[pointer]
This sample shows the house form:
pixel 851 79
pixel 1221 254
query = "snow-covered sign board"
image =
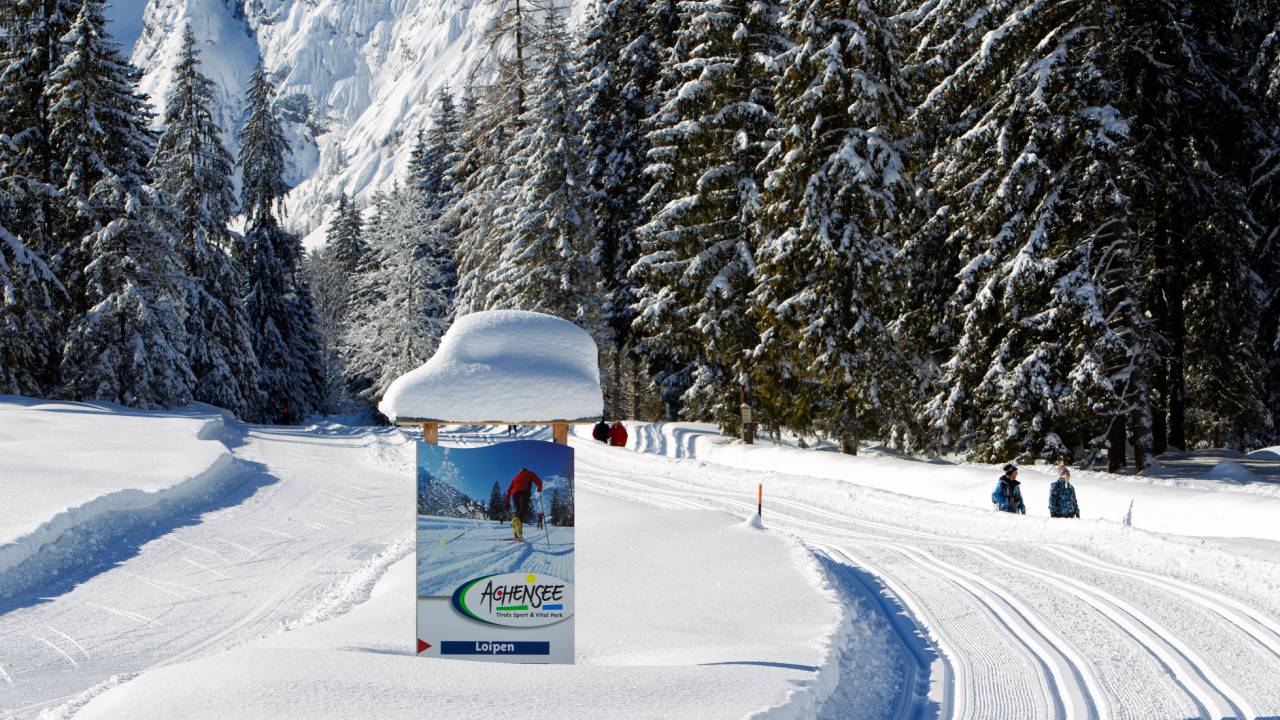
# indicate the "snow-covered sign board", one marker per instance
pixel 495 523
pixel 503 366
pixel 495 552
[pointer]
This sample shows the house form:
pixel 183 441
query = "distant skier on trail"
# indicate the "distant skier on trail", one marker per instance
pixel 1007 497
pixel 1062 496
pixel 618 435
pixel 520 489
pixel 601 431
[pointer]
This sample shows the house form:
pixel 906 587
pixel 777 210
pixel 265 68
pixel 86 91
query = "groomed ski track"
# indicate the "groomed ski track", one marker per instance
pixel 983 626
pixel 988 628
pixel 324 512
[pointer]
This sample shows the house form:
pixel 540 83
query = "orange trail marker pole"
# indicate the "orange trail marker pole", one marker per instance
pixel 760 500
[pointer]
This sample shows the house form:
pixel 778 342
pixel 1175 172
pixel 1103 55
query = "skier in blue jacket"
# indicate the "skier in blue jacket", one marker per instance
pixel 1007 496
pixel 1062 496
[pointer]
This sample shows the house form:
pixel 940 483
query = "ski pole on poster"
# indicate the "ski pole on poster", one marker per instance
pixel 542 510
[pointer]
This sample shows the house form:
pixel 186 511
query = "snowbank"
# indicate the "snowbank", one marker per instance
pixel 1271 453
pixel 503 366
pixel 1215 505
pixel 681 614
pixel 68 466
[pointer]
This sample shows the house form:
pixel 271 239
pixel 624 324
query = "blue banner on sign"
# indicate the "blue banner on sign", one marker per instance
pixel 493 647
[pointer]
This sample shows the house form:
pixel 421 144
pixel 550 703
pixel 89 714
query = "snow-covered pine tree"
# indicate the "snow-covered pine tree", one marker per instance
pixel 1264 196
pixel 331 289
pixel 622 44
pixel 28 289
pixel 432 166
pixel 331 274
pixel 130 344
pixel 36 306
pixel 31 297
pixel 1193 136
pixel 696 268
pixel 497 508
pixel 194 171
pixel 669 367
pixel 834 182
pixel 480 170
pixel 344 240
pixel 410 286
pixel 278 300
pixel 509 40
pixel 546 261
pixel 1050 340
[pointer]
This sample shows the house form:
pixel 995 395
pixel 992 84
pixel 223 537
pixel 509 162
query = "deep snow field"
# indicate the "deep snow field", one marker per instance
pixel 184 565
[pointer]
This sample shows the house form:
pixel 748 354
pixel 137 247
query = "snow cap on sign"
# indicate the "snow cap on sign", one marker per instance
pixel 503 366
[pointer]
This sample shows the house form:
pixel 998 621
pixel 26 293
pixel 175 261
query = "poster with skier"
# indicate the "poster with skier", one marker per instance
pixel 495 552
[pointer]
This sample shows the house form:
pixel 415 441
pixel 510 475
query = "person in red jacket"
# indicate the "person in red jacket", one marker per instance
pixel 520 489
pixel 618 435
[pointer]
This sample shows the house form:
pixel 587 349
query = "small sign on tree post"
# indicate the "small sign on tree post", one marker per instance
pixel 498 368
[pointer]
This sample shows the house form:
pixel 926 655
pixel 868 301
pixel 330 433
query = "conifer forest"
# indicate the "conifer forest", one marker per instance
pixel 1008 229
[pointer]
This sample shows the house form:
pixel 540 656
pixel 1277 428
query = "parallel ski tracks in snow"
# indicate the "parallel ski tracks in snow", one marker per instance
pixel 1058 678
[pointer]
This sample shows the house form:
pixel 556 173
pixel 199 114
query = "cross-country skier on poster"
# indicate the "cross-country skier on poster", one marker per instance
pixel 520 490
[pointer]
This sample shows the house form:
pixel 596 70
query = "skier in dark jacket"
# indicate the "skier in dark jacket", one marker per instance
pixel 618 435
pixel 520 489
pixel 1007 496
pixel 601 431
pixel 1062 496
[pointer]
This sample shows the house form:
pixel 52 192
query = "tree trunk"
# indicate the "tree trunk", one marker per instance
pixel 1115 445
pixel 849 446
pixel 520 76
pixel 1177 377
pixel 616 390
pixel 1159 409
pixel 636 388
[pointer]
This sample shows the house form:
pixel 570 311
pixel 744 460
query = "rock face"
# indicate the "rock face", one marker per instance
pixel 354 79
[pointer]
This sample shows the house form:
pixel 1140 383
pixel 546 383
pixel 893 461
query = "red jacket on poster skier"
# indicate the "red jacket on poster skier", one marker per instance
pixel 520 483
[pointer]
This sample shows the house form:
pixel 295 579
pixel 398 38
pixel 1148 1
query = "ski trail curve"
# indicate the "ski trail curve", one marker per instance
pixel 1072 681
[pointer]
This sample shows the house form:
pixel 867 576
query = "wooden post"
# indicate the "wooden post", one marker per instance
pixel 431 433
pixel 560 433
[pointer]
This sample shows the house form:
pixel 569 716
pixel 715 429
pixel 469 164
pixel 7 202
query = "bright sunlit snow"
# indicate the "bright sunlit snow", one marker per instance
pixel 287 593
pixel 504 366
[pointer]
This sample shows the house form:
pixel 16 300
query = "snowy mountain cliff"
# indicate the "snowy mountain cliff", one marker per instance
pixel 353 76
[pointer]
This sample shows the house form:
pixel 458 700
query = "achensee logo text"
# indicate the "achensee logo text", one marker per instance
pixel 515 599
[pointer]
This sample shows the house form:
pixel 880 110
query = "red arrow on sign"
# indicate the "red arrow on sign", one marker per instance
pixel 423 645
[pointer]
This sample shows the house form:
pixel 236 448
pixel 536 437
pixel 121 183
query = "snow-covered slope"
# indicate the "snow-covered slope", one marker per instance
pixel 354 78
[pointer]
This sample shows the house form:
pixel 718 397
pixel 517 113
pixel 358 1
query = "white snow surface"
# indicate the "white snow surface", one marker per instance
pixel 503 366
pixel 1222 500
pixel 655 638
pixel 294 597
pixel 66 464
